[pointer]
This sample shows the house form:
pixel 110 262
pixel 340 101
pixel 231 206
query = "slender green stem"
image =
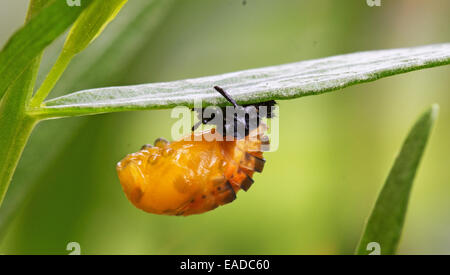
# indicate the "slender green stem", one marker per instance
pixel 53 76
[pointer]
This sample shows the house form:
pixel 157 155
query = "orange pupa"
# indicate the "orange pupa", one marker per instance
pixel 200 172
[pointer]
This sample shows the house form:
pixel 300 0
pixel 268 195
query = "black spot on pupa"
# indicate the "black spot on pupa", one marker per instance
pixel 247 183
pixel 258 162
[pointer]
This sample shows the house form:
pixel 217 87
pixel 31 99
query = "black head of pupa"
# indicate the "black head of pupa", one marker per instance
pixel 237 121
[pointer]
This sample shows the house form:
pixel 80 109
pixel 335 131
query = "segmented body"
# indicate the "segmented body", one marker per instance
pixel 192 177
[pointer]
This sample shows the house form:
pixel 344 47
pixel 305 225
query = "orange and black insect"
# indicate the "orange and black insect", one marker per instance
pixel 188 177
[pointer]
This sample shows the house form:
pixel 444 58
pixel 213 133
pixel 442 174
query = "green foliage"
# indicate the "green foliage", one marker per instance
pixel 29 42
pixel 15 125
pixel 87 27
pixel 278 82
pixel 48 19
pixel 23 50
pixel 91 23
pixel 385 223
pixel 119 47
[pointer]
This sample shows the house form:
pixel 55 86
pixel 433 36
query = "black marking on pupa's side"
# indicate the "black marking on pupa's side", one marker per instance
pixel 258 162
pixel 230 195
pixel 247 183
pixel 241 121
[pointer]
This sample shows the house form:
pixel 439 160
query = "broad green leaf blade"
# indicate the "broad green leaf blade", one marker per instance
pixel 29 42
pixel 257 85
pixel 385 223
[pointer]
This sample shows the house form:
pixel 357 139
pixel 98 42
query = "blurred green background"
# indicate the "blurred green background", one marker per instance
pixel 315 192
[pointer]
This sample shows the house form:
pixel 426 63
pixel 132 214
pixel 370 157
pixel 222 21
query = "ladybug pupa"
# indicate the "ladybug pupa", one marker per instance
pixel 204 170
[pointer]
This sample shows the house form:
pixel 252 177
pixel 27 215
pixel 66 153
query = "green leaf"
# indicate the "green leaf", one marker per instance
pixel 118 45
pixel 87 27
pixel 34 7
pixel 91 23
pixel 15 126
pixel 385 223
pixel 250 86
pixel 132 32
pixel 29 41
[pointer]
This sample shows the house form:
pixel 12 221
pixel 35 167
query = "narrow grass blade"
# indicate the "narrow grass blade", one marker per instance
pixel 257 85
pixel 384 226
pixel 29 42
